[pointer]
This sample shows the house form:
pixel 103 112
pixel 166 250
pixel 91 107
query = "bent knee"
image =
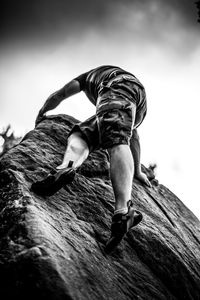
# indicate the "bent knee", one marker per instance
pixel 76 141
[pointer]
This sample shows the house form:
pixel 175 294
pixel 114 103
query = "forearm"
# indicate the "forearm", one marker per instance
pixel 56 98
pixel 52 102
pixel 135 149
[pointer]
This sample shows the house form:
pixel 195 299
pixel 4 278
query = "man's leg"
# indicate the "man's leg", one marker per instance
pixel 77 151
pixel 125 216
pixel 121 172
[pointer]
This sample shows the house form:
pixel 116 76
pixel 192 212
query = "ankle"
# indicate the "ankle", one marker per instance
pixel 122 211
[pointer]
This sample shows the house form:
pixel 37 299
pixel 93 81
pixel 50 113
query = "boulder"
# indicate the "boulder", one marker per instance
pixel 51 247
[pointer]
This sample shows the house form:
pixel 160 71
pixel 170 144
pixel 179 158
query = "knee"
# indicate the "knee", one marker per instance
pixel 76 143
pixel 75 136
pixel 118 148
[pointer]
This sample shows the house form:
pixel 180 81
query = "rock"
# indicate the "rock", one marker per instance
pixel 51 247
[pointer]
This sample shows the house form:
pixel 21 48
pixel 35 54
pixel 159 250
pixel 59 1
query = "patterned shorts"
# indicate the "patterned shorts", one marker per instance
pixel 120 109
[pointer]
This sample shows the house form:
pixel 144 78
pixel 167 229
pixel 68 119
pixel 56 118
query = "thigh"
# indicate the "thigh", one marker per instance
pixel 116 125
pixel 118 95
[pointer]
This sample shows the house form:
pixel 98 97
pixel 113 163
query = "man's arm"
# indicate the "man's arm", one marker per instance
pixel 135 149
pixel 71 88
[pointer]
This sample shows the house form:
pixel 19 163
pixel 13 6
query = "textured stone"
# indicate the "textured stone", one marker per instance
pixel 50 246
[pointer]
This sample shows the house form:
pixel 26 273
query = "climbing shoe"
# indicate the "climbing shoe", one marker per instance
pixel 121 224
pixel 54 181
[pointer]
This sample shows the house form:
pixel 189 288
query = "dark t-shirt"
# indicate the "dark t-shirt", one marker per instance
pixel 92 81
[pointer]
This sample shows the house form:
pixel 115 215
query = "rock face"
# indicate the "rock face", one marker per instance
pixel 50 248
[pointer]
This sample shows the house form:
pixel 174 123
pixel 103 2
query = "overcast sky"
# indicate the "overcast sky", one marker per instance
pixel 46 43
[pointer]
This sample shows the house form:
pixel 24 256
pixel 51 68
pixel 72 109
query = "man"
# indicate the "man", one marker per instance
pixel 120 108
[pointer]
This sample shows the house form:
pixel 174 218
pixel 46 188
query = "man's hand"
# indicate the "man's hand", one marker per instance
pixel 39 118
pixel 142 177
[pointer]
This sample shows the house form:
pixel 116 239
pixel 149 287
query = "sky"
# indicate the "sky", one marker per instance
pixel 46 43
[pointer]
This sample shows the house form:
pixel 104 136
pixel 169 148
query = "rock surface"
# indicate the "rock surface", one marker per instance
pixel 50 248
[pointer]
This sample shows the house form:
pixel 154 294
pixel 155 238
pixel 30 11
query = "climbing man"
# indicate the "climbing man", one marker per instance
pixel 120 102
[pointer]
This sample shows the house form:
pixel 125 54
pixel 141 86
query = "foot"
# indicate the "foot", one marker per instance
pixel 53 182
pixel 121 224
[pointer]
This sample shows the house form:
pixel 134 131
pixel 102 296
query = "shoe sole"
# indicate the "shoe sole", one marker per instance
pixel 54 186
pixel 114 241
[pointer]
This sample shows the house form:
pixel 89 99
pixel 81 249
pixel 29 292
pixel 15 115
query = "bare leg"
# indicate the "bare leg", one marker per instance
pixel 77 151
pixel 121 171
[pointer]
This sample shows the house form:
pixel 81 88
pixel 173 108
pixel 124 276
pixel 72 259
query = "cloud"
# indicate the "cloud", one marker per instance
pixel 39 18
pixel 170 26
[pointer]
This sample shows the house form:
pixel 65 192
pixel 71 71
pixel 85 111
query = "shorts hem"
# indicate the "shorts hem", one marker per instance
pixel 110 144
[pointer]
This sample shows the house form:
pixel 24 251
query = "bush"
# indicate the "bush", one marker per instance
pixel 9 140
